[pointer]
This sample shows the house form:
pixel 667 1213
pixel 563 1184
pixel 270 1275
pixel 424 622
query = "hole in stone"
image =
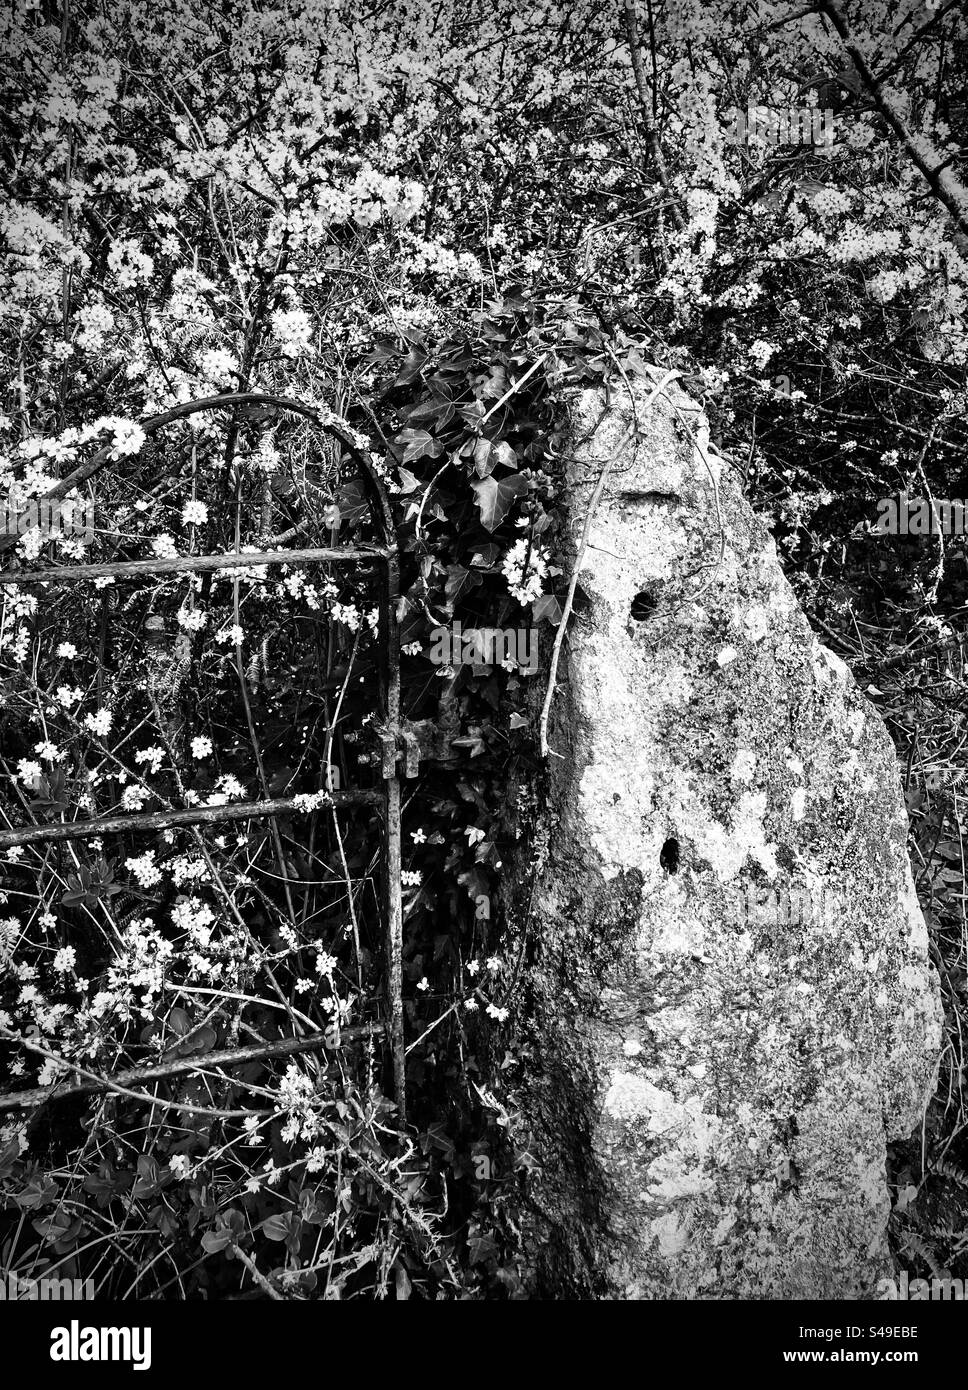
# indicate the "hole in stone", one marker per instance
pixel 643 606
pixel 669 858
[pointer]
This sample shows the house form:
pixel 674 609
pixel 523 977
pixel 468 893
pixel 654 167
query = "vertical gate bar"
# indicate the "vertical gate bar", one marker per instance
pixel 394 904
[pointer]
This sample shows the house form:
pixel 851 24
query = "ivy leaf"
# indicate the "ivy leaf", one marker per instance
pixel 459 580
pixel 420 445
pixel 384 351
pixel 495 496
pixel 409 482
pixel 485 459
pixel 481 1248
pixel 486 557
pixel 546 607
pixel 412 367
pixel 435 408
pixel 474 741
pixel 504 454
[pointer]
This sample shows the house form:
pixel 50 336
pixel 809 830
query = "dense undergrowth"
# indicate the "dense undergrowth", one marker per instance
pixel 430 226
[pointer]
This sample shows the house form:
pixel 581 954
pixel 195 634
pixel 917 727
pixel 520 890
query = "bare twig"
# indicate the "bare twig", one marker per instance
pixel 165 820
pixel 257 1274
pixel 516 387
pixel 242 559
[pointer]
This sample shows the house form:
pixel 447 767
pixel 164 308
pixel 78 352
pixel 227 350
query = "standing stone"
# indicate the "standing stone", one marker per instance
pixel 732 1010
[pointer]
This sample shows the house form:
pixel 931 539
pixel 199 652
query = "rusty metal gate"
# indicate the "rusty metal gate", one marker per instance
pixel 398 739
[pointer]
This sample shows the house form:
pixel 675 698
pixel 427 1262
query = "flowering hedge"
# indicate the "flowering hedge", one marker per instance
pixel 429 224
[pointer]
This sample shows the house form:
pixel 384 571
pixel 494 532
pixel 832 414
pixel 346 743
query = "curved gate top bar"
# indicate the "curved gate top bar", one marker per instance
pixel 103 456
pixel 386 555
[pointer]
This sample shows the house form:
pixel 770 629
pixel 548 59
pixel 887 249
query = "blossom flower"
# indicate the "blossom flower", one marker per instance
pixel 761 353
pixel 499 1015
pixel 231 786
pixel 128 436
pixel 410 878
pixel 31 543
pixel 163 547
pixel 29 771
pixel 217 365
pixel 155 756
pixel 129 263
pixel 194 513
pixel 67 650
pixel 65 960
pixel 292 330
pixel 524 571
pixel 145 869
pixel 192 619
pixel 201 746
pixel 423 984
pixel 94 322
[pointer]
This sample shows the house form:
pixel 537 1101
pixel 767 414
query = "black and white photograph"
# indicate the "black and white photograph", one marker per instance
pixel 483 674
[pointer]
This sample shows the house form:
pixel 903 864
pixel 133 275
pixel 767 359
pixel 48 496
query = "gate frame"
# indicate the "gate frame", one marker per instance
pixel 386 556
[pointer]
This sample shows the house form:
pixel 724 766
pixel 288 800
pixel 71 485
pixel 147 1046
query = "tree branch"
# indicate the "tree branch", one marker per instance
pixel 165 820
pixel 651 135
pixel 958 209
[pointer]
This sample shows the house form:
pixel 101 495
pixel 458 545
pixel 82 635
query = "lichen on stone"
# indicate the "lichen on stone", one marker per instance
pixel 740 1068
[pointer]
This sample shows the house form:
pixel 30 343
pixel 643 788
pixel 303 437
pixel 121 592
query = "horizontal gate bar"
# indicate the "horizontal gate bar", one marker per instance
pixel 165 820
pixel 237 560
pixel 205 1061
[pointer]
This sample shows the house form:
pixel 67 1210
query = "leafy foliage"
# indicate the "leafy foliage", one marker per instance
pixel 432 224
